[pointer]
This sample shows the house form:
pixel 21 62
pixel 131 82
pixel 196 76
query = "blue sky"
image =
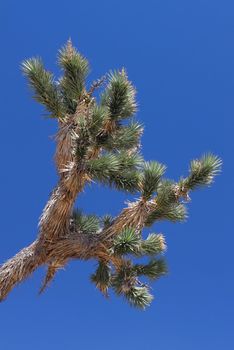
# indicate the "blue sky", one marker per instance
pixel 180 56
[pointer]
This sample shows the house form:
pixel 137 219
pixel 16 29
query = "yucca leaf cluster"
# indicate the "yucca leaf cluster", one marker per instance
pixel 125 279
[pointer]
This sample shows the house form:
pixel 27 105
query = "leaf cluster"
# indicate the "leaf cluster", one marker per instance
pixel 119 170
pixel 119 96
pixel 124 280
pixel 45 89
pixel 202 171
pixel 153 171
pixel 87 224
pixel 75 68
pixel 130 242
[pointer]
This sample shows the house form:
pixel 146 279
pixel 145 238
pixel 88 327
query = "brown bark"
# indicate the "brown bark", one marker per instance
pixel 55 218
pixel 18 268
pixel 54 254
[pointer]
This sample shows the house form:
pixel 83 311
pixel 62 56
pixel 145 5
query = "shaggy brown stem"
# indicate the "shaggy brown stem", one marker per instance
pixel 18 268
pixel 55 218
pixel 55 255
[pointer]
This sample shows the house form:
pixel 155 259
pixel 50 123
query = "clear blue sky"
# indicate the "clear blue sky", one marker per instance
pixel 180 56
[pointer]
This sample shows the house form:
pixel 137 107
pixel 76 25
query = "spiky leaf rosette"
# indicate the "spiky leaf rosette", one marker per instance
pixel 119 170
pixel 167 193
pixel 107 221
pixel 139 297
pixel 85 223
pixel 44 87
pixel 125 283
pixel 168 205
pixel 202 171
pixel 153 270
pixel 130 242
pixel 175 212
pixel 154 244
pixel 127 242
pixel 123 137
pixel 119 96
pixel 102 277
pixel 152 173
pixel 75 68
pixel 124 278
pixel 98 120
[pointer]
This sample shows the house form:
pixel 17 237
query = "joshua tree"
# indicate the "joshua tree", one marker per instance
pixel 99 141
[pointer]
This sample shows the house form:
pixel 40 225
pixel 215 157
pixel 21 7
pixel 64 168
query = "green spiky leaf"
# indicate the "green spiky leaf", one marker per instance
pixel 154 244
pixel 151 176
pixel 119 170
pixel 86 223
pixel 139 297
pixel 107 221
pixel 102 277
pixel 127 242
pixel 153 270
pixel 42 82
pixel 166 193
pixel 119 96
pixel 103 167
pixel 75 68
pixel 174 212
pixel 124 278
pixel 99 117
pixel 124 138
pixel 203 171
pixel 127 181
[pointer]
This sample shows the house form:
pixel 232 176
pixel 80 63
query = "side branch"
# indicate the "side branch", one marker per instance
pixel 133 216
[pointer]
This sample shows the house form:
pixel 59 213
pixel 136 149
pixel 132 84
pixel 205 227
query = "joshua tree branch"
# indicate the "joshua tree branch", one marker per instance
pixel 96 141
